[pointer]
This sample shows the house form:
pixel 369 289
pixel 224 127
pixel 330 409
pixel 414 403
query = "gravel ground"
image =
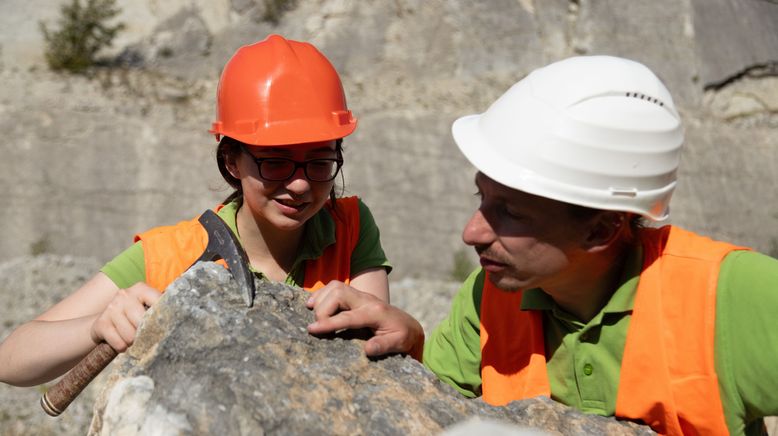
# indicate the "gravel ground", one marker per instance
pixel 427 300
pixel 28 286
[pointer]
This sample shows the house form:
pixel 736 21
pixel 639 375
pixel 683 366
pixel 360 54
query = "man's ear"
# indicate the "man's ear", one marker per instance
pixel 605 228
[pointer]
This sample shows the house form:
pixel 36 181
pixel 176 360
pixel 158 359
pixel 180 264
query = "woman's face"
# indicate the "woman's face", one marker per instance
pixel 284 204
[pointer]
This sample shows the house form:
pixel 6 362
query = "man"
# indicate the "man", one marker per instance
pixel 576 299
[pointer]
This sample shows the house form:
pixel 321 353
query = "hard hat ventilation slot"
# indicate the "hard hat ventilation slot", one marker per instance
pixel 645 97
pixel 623 192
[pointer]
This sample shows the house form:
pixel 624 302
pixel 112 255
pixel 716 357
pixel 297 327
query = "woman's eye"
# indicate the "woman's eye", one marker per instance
pixel 319 164
pixel 275 162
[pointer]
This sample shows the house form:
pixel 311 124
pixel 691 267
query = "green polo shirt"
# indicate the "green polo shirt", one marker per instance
pixel 129 268
pixel 584 359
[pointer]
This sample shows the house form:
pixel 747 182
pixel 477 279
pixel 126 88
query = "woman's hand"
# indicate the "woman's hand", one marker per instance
pixel 51 344
pixel 338 306
pixel 118 323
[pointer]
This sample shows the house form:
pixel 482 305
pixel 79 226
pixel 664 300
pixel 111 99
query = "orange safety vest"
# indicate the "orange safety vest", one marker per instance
pixel 668 377
pixel 170 250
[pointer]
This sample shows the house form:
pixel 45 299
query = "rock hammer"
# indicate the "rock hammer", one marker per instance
pixel 222 244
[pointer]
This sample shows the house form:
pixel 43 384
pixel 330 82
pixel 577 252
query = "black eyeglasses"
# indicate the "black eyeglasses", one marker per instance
pixel 279 169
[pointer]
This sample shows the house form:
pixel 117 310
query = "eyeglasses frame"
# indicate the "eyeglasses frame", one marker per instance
pixel 297 164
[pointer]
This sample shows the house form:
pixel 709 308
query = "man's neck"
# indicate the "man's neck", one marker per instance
pixel 595 279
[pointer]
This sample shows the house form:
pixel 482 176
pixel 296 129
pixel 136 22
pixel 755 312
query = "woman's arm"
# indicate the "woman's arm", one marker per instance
pixel 49 345
pixel 373 281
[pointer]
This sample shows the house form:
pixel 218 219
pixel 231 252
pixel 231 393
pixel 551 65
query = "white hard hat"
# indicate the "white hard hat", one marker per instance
pixel 596 131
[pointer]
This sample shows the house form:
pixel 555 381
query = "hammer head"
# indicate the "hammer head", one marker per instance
pixel 222 244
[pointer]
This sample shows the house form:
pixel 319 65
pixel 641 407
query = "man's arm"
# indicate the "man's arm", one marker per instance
pixel 746 346
pixel 453 350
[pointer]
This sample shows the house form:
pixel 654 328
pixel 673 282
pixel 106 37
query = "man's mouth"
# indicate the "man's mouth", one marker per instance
pixel 490 264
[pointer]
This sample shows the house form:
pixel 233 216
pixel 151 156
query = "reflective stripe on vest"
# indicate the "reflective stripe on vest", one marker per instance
pixel 170 250
pixel 667 380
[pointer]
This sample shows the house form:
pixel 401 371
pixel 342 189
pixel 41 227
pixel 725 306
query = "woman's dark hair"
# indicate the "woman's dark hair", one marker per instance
pixel 232 147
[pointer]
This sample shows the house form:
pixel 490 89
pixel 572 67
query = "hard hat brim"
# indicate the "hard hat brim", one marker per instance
pixel 470 141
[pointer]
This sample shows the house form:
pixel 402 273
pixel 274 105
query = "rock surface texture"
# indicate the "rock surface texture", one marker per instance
pixel 205 364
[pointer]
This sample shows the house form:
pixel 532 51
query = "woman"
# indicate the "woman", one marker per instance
pixel 281 117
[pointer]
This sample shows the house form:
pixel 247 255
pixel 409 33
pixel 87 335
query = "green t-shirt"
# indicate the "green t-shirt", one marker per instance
pixel 584 359
pixel 128 267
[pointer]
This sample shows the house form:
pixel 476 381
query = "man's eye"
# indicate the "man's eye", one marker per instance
pixel 514 214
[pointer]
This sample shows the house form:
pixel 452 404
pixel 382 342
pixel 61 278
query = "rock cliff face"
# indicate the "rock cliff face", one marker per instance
pixel 91 161
pixel 205 364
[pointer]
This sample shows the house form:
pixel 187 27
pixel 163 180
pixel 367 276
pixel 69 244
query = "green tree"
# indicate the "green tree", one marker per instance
pixel 274 9
pixel 83 31
pixel 461 266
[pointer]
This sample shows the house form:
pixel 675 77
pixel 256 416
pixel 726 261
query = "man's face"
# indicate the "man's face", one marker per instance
pixel 523 240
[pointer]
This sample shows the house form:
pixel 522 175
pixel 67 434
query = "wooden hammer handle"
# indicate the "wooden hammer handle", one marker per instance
pixel 59 397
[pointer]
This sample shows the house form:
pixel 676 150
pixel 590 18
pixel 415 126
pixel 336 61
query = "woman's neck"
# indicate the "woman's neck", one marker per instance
pixel 270 250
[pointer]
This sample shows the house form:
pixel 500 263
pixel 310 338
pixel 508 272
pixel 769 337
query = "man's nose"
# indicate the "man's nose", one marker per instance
pixel 478 231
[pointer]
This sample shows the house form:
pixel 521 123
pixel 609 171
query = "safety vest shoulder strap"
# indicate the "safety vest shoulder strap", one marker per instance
pixel 169 250
pixel 335 262
pixel 668 377
pixel 513 361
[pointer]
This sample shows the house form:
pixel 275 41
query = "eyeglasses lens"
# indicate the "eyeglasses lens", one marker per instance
pixel 317 170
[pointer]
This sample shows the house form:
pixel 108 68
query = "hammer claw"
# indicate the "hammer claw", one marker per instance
pixel 222 244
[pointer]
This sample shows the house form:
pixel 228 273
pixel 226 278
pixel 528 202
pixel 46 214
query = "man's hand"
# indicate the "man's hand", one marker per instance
pixel 338 306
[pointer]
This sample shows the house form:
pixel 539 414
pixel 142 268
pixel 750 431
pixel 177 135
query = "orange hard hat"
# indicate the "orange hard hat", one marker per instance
pixel 280 92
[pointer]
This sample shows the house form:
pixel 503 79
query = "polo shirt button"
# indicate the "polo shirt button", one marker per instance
pixel 588 369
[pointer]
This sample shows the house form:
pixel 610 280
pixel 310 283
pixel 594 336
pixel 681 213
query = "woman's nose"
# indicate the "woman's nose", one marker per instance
pixel 298 183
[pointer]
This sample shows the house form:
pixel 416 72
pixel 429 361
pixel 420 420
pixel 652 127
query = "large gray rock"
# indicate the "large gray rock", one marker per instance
pixel 203 363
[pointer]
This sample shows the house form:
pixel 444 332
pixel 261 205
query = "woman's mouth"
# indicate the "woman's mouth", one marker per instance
pixel 290 206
